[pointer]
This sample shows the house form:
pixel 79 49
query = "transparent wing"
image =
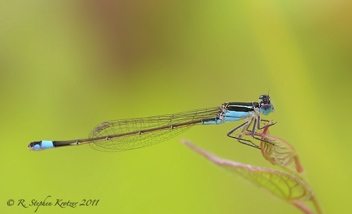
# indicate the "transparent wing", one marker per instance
pixel 115 127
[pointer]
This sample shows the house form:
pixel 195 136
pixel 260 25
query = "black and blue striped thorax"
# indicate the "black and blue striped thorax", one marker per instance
pixel 240 106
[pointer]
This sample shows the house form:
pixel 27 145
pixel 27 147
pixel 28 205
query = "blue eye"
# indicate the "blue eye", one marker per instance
pixel 266 109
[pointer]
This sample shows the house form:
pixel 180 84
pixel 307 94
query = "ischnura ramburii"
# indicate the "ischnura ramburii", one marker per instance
pixel 128 134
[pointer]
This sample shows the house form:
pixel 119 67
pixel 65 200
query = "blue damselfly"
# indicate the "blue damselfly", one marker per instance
pixel 127 134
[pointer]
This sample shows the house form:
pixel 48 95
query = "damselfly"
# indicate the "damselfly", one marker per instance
pixel 120 135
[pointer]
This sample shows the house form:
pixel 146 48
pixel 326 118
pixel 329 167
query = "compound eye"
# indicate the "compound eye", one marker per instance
pixel 266 109
pixel 35 146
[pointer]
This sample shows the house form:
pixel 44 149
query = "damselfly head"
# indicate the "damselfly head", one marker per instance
pixel 264 99
pixel 265 104
pixel 35 146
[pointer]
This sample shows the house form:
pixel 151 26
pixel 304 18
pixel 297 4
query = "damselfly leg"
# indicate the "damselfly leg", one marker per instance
pixel 256 125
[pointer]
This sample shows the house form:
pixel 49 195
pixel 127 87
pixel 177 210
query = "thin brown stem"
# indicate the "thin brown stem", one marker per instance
pixel 303 207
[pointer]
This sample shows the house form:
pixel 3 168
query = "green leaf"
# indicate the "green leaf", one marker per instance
pixel 283 185
pixel 279 152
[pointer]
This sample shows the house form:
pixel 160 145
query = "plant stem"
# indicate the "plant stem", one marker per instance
pixel 302 207
pixel 317 205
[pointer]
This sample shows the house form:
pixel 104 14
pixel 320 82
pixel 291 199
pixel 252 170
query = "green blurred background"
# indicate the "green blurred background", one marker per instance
pixel 66 66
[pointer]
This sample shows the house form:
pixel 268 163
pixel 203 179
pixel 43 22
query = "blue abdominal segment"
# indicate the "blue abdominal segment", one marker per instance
pixel 46 144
